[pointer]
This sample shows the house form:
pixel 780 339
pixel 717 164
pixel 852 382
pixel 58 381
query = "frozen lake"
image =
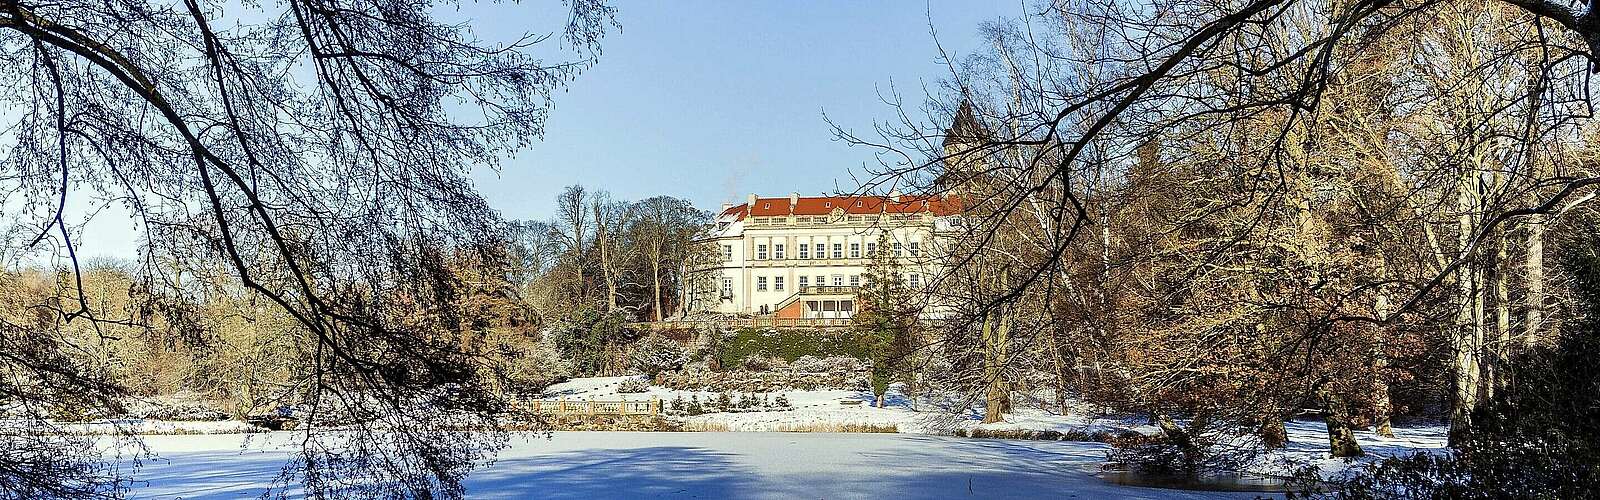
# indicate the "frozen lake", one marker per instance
pixel 757 465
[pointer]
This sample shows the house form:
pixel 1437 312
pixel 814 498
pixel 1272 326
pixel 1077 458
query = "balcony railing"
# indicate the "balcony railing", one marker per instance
pixel 755 322
pixel 827 290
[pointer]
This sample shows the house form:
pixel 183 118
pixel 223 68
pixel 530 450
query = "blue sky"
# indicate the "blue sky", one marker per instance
pixel 709 101
pixel 706 101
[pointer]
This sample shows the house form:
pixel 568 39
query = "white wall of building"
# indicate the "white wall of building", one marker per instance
pixel 755 273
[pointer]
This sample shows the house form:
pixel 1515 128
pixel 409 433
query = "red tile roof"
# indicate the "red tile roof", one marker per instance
pixel 824 205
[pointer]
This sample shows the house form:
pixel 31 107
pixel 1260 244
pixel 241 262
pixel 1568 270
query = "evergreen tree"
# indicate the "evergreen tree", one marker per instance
pixel 885 318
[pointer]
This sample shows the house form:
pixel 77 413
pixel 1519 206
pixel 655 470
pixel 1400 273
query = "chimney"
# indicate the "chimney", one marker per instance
pixel 751 200
pixel 894 195
pixel 794 199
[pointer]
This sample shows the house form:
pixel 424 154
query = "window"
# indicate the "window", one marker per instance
pixel 805 251
pixel 727 287
pixel 838 250
pixel 914 280
pixel 804 281
pixel 855 250
pixel 838 280
pixel 727 252
pixel 872 248
pixel 914 250
pixel 777 283
pixel 761 252
pixel 897 249
pixel 761 283
pixel 820 281
pixel 855 280
pixel 777 250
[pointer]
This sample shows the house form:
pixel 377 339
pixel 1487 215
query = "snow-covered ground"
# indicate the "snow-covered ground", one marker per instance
pixel 921 461
pixel 1308 444
pixel 846 407
pixel 152 426
pixel 630 465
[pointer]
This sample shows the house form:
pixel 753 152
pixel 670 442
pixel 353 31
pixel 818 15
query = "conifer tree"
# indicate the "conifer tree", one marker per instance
pixel 886 317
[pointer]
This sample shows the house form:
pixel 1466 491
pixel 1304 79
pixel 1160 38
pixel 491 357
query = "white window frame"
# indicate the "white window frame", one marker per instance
pixel 838 250
pixel 761 251
pixel 855 250
pixel 777 251
pixel 761 283
pixel 805 252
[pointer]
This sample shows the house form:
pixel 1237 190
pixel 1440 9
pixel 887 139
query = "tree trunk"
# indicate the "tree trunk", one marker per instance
pixel 1341 434
pixel 1273 434
pixel 1502 318
pixel 1179 437
pixel 1061 375
pixel 1469 323
pixel 998 398
pixel 1341 439
pixel 603 238
pixel 655 271
pixel 1382 407
pixel 1173 432
pixel 1533 265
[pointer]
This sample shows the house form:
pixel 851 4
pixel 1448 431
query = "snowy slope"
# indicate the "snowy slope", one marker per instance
pixel 844 407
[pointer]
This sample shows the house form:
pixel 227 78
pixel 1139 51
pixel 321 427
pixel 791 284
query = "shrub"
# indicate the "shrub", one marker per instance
pixel 655 354
pixel 588 337
pixel 533 367
pixel 761 363
pixel 633 385
pixel 1182 451
pixel 830 364
pixel 732 350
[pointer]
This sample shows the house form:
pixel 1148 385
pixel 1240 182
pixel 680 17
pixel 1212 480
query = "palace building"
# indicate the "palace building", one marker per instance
pixel 799 257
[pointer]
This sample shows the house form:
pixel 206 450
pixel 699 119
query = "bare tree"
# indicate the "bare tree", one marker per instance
pixel 317 152
pixel 610 218
pixel 1244 99
pixel 666 228
pixel 572 209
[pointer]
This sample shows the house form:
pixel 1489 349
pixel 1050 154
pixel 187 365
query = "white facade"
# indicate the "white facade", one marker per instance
pixel 808 254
